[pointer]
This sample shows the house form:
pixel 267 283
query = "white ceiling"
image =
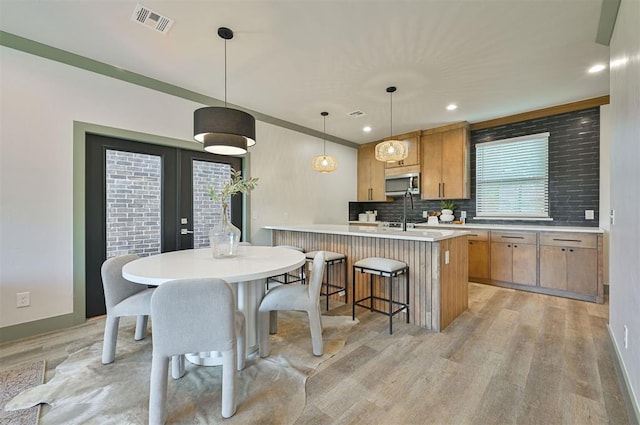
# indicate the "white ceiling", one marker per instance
pixel 293 59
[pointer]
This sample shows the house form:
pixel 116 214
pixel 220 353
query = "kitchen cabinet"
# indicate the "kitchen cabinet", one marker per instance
pixel 514 257
pixel 370 175
pixel 569 262
pixel 412 163
pixel 479 255
pixel 445 162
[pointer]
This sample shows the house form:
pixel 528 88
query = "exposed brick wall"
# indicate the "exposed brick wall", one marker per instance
pixel 134 202
pixel 574 172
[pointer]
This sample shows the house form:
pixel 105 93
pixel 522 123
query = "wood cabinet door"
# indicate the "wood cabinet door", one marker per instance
pixel 454 164
pixel 525 264
pixel 376 178
pixel 413 145
pixel 365 154
pixel 431 165
pixel 553 267
pixel 501 262
pixel 479 259
pixel 582 270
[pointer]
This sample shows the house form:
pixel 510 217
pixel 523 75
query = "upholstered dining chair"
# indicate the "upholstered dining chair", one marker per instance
pixel 122 298
pixel 294 297
pixel 192 316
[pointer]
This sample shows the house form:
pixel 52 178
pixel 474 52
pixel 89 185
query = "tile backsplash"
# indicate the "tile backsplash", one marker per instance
pixel 574 172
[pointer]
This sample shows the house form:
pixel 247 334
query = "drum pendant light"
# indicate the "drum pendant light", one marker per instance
pixel 324 163
pixel 222 130
pixel 391 150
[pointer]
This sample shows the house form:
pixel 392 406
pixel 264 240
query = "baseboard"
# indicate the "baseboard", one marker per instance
pixel 37 327
pixel 630 399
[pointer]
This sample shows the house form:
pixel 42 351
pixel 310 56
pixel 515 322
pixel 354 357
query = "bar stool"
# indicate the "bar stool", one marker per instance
pixel 331 259
pixel 390 269
pixel 287 278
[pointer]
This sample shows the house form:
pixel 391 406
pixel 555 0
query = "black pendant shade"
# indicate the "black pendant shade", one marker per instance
pixel 224 131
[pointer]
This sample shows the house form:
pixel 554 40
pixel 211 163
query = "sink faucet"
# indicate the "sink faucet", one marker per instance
pixel 404 208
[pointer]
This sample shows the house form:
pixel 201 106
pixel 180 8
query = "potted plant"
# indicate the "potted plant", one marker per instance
pixel 224 237
pixel 447 207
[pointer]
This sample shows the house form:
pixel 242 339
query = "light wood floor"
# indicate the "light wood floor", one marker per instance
pixel 512 358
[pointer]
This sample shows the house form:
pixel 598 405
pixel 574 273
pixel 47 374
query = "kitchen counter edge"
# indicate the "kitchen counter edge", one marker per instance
pixel 425 235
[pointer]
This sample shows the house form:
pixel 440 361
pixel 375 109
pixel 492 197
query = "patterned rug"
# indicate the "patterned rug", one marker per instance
pixel 12 383
pixel 269 391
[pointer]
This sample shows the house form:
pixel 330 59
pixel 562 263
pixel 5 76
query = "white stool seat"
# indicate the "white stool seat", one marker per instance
pixel 297 248
pixel 376 265
pixel 328 256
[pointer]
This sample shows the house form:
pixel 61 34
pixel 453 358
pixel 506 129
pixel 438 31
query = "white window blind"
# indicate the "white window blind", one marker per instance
pixel 512 177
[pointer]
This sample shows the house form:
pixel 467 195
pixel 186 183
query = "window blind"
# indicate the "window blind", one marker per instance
pixel 512 177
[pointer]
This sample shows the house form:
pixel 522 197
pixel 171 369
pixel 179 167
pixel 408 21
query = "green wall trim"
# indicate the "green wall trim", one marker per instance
pixel 37 327
pixel 72 59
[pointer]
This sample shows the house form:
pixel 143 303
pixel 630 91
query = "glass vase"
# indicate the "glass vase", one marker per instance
pixel 224 237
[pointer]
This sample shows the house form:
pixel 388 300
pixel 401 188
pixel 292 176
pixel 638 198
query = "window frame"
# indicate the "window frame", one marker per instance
pixel 513 215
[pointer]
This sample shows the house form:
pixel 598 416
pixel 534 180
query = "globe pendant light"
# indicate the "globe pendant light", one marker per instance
pixel 391 150
pixel 324 163
pixel 222 130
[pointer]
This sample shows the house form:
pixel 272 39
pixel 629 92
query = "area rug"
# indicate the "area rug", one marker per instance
pixel 269 391
pixel 13 382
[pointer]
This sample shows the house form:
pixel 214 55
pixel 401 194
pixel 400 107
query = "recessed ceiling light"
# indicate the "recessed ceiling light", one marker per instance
pixel 366 129
pixel 452 107
pixel 597 68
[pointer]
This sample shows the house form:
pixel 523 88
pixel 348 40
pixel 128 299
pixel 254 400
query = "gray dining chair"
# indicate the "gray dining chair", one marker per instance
pixel 295 297
pixel 192 316
pixel 122 298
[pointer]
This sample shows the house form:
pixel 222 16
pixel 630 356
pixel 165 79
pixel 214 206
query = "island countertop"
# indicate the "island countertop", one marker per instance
pixel 425 235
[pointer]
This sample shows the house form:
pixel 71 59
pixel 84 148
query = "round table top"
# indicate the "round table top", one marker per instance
pixel 251 263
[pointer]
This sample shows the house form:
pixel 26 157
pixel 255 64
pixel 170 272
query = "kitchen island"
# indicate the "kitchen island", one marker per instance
pixel 437 260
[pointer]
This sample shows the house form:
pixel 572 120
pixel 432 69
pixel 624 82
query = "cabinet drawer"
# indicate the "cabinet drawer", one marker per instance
pixel 478 235
pixel 575 240
pixel 519 237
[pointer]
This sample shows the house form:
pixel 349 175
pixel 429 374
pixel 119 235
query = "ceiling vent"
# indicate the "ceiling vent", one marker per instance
pixel 356 114
pixel 151 19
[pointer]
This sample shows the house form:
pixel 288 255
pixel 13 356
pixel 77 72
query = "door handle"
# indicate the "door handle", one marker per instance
pixel 185 231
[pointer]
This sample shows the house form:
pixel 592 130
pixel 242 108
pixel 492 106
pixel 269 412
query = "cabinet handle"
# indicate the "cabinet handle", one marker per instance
pixel 567 240
pixel 509 246
pixel 443 189
pixel 515 246
pixel 571 250
pixel 470 242
pixel 439 190
pixel 512 237
pixel 562 249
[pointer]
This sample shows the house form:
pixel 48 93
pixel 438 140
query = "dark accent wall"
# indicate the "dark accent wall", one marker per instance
pixel 574 172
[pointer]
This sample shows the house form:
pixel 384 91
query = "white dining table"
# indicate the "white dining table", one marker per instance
pixel 247 273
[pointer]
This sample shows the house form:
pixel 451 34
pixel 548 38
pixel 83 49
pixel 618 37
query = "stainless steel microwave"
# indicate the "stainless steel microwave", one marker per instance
pixel 399 185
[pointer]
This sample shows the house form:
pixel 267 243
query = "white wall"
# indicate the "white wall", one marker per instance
pixel 40 101
pixel 625 191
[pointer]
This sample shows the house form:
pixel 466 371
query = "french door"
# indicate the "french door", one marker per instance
pixel 146 199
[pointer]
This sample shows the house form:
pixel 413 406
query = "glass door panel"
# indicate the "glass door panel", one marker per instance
pixel 133 203
pixel 206 212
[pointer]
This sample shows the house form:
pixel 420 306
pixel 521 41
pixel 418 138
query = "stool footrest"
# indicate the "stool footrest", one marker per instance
pixel 402 308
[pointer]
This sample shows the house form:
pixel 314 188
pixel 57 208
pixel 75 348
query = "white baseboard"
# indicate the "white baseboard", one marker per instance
pixel 631 400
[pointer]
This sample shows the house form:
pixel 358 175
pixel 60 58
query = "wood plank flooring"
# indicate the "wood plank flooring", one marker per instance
pixel 512 358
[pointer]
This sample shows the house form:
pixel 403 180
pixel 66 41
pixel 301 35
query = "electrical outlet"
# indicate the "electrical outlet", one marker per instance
pixel 425 214
pixel 612 217
pixel 446 257
pixel 588 215
pixel 23 299
pixel 626 337
pixel 342 293
pixel 463 214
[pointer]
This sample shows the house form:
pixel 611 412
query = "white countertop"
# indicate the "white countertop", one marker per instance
pixel 425 235
pixel 471 227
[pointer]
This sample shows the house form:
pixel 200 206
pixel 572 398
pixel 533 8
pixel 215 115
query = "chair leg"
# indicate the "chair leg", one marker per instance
pixel 177 366
pixel 273 322
pixel 315 323
pixel 158 390
pixel 263 333
pixel 353 294
pixel 228 383
pixel 390 305
pixel 141 327
pixel 110 338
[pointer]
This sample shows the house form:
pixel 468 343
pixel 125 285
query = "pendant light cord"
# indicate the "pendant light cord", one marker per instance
pixel 324 135
pixel 225 73
pixel 391 116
